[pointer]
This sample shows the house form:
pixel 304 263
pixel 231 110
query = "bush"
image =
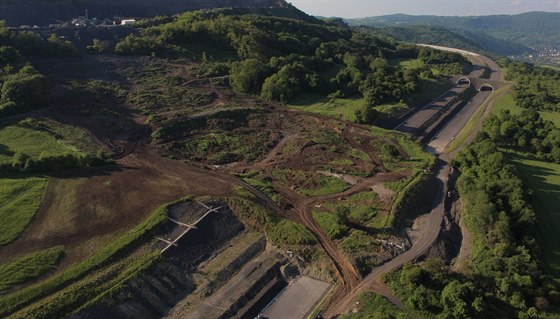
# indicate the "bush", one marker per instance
pixel 135 45
pixel 24 91
pixel 247 76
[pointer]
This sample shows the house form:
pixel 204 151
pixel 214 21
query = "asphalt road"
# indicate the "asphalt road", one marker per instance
pixel 446 135
pixel 414 122
pixel 426 228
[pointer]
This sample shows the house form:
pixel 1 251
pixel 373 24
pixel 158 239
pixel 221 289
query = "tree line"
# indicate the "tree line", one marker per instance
pixel 536 87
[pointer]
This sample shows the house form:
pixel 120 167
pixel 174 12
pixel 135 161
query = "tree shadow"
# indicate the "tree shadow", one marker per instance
pixel 4 150
pixel 547 213
pixel 90 172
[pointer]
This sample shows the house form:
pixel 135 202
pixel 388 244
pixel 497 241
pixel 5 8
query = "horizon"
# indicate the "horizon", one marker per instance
pixel 441 15
pixel 356 9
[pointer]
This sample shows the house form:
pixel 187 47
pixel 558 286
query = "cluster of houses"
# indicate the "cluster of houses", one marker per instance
pixel 84 21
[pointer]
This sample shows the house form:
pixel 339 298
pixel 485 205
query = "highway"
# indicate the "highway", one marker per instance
pixel 414 122
pixel 448 133
pixel 427 227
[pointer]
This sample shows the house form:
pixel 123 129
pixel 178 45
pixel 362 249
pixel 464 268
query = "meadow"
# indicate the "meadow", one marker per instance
pixel 20 198
pixel 29 267
pixel 43 137
pixel 543 179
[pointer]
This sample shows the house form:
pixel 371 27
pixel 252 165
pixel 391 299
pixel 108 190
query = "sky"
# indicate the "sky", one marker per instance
pixel 368 8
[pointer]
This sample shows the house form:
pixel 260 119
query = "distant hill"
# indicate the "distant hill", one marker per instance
pixel 44 12
pixel 535 30
pixel 474 41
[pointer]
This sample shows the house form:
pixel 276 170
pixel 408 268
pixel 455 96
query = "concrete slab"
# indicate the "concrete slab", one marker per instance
pixel 297 300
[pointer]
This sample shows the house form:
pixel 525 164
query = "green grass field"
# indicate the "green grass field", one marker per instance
pixel 371 305
pixel 407 63
pixel 332 224
pixel 427 90
pixel 36 137
pixel 310 183
pixel 337 108
pixel 20 199
pixel 286 232
pixel 29 267
pixel 544 179
pixel 506 102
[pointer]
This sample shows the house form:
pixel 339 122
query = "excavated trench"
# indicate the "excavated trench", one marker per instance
pixel 154 293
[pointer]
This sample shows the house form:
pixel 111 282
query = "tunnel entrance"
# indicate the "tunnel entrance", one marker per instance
pixel 486 87
pixel 463 81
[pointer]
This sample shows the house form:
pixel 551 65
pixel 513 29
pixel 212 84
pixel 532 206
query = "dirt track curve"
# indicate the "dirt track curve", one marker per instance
pixel 429 225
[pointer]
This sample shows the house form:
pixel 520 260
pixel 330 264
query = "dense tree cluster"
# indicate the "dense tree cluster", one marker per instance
pixel 502 221
pixel 537 87
pixel 23 91
pixel 504 279
pixel 22 88
pixel 278 58
pixel 22 162
pixel 31 43
pixel 527 131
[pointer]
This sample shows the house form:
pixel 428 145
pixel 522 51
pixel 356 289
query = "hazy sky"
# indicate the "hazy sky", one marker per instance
pixel 367 8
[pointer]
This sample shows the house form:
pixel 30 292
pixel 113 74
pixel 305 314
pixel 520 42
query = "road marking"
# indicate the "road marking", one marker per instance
pixel 425 106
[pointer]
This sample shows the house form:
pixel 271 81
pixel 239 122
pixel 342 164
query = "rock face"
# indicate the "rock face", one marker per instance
pixel 44 12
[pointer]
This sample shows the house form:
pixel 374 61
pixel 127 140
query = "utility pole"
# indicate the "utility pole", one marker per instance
pixel 87 18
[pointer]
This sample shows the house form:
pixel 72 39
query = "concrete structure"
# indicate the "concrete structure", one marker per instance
pixel 463 80
pixel 486 87
pixel 127 21
pixel 297 300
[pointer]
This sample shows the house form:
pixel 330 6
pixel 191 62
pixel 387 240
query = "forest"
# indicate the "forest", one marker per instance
pixel 536 87
pixel 279 58
pixel 503 278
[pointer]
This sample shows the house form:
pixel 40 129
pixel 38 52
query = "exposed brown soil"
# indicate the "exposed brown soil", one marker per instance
pixel 114 198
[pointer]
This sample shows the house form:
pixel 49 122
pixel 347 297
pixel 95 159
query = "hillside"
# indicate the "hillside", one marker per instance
pixel 42 13
pixel 467 40
pixel 193 166
pixel 102 140
pixel 536 30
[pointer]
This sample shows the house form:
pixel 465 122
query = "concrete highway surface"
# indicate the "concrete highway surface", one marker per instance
pixel 448 133
pixel 414 122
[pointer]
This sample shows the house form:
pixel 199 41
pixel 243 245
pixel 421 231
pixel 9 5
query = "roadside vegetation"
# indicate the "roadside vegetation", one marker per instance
pixel 535 167
pixel 504 276
pixel 536 88
pixel 373 306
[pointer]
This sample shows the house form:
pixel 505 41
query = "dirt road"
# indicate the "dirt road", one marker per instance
pixel 427 227
pixel 427 230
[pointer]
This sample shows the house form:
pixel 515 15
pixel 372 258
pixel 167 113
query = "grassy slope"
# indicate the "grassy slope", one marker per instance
pixel 544 179
pixel 107 255
pixel 337 108
pixel 507 102
pixel 29 267
pixel 370 305
pixel 41 137
pixel 20 199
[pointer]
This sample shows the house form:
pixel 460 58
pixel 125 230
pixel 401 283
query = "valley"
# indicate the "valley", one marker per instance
pixel 179 169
